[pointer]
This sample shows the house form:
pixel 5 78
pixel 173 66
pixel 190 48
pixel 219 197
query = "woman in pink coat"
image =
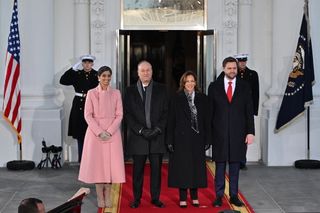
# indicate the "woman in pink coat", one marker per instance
pixel 102 159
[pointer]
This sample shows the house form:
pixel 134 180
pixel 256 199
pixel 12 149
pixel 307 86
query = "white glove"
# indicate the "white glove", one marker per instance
pixel 77 66
pixel 104 136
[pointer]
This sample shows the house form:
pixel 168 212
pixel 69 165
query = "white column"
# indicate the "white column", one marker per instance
pixel 230 25
pixel 98 31
pixel 245 27
pixel 105 18
pixel 40 111
pixel 245 40
pixel 82 27
pixel 36 53
pixel 81 46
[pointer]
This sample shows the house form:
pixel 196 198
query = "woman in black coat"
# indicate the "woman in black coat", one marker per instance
pixel 187 139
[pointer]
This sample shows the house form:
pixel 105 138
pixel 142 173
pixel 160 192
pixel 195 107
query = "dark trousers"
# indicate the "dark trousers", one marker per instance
pixel 155 175
pixel 193 194
pixel 234 168
pixel 243 163
pixel 80 148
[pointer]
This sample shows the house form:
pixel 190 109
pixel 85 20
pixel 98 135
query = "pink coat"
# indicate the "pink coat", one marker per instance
pixel 102 161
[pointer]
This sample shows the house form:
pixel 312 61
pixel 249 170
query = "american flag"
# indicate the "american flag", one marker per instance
pixel 12 94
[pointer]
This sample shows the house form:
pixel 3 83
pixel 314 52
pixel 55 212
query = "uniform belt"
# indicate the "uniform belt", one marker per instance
pixel 81 94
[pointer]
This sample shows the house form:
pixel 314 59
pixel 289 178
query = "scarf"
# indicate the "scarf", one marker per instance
pixel 147 101
pixel 193 110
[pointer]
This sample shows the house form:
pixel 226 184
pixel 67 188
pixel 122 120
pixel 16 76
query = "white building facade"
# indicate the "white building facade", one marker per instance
pixel 54 33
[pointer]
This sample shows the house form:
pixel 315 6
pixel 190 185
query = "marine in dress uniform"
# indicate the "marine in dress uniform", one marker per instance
pixel 83 78
pixel 251 77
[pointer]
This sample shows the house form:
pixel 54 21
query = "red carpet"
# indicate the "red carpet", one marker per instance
pixel 170 196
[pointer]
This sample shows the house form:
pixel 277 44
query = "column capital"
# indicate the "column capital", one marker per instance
pixel 245 2
pixel 97 7
pixel 230 26
pixel 81 1
pixel 98 29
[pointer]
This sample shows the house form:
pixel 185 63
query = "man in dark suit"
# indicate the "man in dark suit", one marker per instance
pixel 232 127
pixel 146 110
pixel 252 78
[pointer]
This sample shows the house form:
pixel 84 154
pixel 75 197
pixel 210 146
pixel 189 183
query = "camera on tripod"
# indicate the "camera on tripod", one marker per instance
pixel 47 150
pixel 52 148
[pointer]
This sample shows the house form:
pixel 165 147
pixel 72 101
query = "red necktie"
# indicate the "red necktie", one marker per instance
pixel 229 91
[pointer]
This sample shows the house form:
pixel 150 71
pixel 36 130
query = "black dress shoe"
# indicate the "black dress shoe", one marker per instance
pixel 183 204
pixel 235 201
pixel 244 167
pixel 195 203
pixel 217 202
pixel 135 204
pixel 157 203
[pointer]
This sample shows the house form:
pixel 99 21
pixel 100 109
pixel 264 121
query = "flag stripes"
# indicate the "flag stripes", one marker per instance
pixel 12 94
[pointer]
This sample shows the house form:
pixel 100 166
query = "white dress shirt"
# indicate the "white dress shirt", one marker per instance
pixel 226 84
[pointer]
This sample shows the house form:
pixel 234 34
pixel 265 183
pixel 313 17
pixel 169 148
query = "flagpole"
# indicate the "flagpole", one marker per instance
pixel 308 133
pixel 308 163
pixel 20 148
pixel 306 11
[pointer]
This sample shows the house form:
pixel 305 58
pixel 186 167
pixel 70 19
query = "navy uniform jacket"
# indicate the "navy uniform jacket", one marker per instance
pixel 252 78
pixel 82 82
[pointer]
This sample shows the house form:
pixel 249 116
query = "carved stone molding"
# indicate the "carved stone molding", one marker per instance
pixel 245 2
pixel 97 7
pixel 81 1
pixel 230 25
pixel 98 26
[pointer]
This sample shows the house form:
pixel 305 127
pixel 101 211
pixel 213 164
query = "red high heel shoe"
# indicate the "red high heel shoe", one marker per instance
pixel 100 210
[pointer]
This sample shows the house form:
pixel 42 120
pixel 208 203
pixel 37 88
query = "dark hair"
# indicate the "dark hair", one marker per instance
pixel 29 205
pixel 183 80
pixel 229 59
pixel 104 69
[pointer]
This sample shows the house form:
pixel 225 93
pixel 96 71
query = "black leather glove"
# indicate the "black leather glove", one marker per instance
pixel 146 133
pixel 207 146
pixel 155 132
pixel 170 148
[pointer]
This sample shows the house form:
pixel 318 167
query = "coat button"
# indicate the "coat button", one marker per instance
pixel 80 108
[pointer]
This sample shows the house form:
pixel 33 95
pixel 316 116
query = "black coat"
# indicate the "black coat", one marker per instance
pixel 231 122
pixel 135 117
pixel 82 82
pixel 252 78
pixel 187 165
